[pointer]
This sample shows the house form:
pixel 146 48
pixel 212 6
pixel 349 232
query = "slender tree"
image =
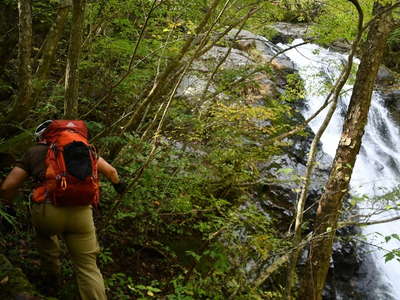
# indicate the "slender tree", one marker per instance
pixel 53 37
pixel 74 49
pixel 27 92
pixel 24 96
pixel 49 48
pixel 337 186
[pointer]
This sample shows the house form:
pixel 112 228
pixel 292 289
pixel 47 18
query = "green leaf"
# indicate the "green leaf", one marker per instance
pixel 389 256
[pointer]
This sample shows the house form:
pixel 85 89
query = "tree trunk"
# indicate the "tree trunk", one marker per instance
pixel 71 73
pixel 336 188
pixel 52 39
pixel 25 52
pixel 24 98
pixel 49 48
pixel 171 73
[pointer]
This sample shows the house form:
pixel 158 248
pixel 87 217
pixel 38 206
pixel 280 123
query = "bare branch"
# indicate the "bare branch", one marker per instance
pixel 345 224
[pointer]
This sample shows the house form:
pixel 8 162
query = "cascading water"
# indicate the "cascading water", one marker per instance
pixel 377 166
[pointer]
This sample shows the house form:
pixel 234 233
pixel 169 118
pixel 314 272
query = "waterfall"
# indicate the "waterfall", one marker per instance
pixel 377 166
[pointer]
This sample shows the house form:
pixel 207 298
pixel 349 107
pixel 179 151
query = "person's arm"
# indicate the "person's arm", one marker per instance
pixel 111 174
pixel 10 185
pixel 107 170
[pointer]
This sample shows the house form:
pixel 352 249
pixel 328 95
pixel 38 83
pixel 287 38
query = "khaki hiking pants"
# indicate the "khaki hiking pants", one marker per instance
pixel 75 225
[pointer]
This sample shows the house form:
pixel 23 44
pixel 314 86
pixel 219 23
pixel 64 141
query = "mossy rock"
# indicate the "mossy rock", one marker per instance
pixel 14 284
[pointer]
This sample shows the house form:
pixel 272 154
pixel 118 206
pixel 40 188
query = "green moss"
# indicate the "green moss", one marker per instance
pixel 13 281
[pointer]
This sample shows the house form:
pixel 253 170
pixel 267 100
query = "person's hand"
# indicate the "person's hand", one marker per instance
pixel 120 187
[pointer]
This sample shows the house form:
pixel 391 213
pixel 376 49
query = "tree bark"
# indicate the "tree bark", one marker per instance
pixel 25 53
pixel 171 73
pixel 74 49
pixel 52 39
pixel 336 188
pixel 49 48
pixel 24 97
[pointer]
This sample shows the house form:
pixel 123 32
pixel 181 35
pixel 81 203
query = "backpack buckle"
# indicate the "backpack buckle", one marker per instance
pixel 63 183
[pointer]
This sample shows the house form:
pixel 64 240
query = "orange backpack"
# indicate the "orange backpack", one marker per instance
pixel 71 177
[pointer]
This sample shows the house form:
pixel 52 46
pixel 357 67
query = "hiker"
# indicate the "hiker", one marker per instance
pixel 64 167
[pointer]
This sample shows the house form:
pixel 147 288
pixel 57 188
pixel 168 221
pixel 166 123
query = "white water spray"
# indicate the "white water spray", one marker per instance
pixel 377 167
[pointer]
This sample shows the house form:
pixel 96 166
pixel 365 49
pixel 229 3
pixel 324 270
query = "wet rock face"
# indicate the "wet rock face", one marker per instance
pixel 353 274
pixel 392 102
pixel 294 160
pixel 346 261
pixel 384 76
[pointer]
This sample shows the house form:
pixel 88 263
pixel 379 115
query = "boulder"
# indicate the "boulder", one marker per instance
pixel 340 45
pixel 266 50
pixel 266 87
pixel 287 31
pixel 192 86
pixel 244 36
pixel 199 66
pixel 235 59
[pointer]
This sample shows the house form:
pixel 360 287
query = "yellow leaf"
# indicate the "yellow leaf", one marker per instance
pixel 150 293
